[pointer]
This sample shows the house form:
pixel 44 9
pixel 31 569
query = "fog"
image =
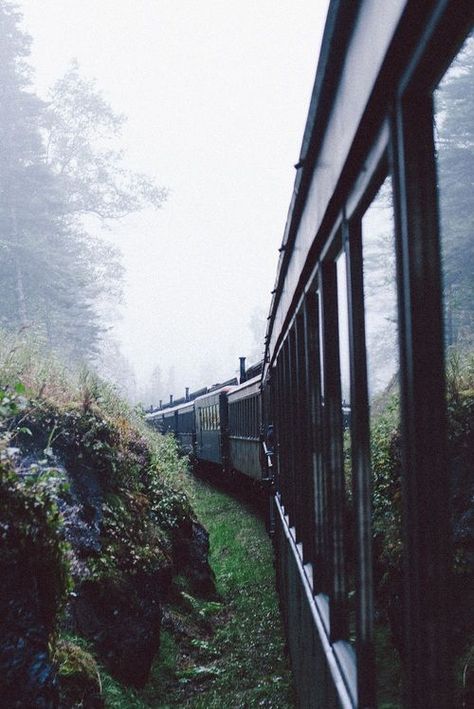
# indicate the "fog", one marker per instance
pixel 216 95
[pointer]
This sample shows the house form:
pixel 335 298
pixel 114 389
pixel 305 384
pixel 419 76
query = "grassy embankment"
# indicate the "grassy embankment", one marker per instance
pixel 220 652
pixel 226 653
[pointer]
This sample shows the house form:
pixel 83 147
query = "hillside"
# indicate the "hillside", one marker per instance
pixel 92 534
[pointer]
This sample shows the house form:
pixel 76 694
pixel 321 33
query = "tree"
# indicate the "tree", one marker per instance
pixel 81 134
pixel 56 166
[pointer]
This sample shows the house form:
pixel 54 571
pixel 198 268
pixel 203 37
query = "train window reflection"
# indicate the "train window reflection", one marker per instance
pixel 345 406
pixel 381 334
pixel 454 106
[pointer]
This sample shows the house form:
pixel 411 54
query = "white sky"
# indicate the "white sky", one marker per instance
pixel 216 93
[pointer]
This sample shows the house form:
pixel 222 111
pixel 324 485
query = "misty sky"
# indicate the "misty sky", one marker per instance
pixel 216 93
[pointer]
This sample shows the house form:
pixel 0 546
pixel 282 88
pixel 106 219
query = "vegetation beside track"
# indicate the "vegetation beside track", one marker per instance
pixel 227 651
pixel 92 534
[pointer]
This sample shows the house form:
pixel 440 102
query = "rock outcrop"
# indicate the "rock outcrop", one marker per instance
pixel 116 533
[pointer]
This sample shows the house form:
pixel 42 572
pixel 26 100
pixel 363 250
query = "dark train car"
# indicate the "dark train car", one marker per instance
pixel 211 420
pixel 185 427
pixel 169 420
pixel 155 419
pixel 244 428
pixel 177 419
pixel 367 310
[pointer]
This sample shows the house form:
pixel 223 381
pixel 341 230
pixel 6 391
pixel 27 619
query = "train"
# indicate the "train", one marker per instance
pixel 220 426
pixel 370 310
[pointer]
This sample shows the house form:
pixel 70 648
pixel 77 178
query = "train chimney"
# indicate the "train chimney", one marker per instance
pixel 187 394
pixel 242 369
pixel 171 398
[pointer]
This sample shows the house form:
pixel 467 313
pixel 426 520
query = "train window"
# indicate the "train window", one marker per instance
pixel 255 419
pixel 454 138
pixel 345 413
pixel 316 494
pixel 381 336
pixel 334 339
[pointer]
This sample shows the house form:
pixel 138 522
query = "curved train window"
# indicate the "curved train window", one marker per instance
pixel 454 139
pixel 381 338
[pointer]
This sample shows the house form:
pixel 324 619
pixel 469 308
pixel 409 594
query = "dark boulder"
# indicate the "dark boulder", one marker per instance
pixel 191 552
pixel 122 619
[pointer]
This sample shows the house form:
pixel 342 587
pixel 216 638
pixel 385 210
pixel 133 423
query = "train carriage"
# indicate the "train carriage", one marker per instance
pixel 211 420
pixel 185 427
pixel 177 419
pixel 245 447
pixel 359 336
pixel 155 419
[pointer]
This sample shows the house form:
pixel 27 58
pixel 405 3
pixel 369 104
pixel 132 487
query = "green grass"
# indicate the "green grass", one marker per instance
pixel 227 653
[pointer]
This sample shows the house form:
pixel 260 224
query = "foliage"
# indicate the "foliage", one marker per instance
pixel 55 167
pixel 233 647
pixel 80 130
pixel 31 540
pixel 79 677
pixel 83 681
pixel 385 458
pixel 76 429
pixel 388 560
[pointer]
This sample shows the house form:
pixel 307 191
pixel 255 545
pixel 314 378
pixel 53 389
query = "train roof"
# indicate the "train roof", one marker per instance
pixel 247 388
pixel 216 391
pixel 254 370
pixel 170 409
pixel 340 24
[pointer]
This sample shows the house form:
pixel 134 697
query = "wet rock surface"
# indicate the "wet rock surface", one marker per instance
pixel 191 551
pixel 119 611
pixel 27 675
pixel 28 598
pixel 123 621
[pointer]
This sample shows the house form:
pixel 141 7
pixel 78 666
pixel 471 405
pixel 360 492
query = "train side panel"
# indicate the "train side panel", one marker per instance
pixel 185 428
pixel 211 423
pixel 367 210
pixel 244 429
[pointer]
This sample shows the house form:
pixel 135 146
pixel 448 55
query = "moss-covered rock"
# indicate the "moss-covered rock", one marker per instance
pixel 78 675
pixel 87 498
pixel 35 580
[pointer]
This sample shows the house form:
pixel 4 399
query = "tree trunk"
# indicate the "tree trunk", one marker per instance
pixel 20 290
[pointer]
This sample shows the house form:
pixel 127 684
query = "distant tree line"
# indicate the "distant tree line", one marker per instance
pixel 58 164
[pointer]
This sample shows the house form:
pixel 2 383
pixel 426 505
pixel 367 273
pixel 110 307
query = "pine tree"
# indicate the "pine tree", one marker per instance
pixel 56 165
